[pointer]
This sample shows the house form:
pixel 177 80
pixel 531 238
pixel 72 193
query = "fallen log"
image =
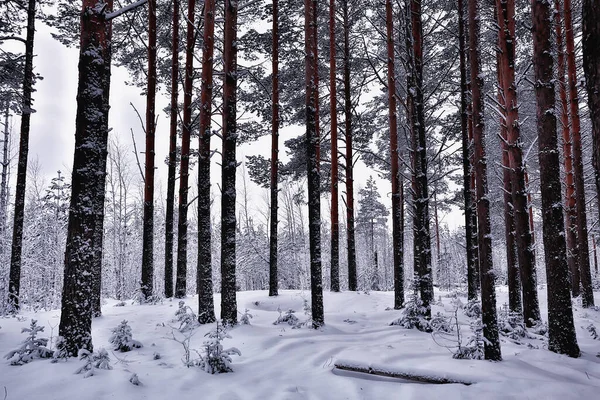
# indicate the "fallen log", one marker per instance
pixel 413 375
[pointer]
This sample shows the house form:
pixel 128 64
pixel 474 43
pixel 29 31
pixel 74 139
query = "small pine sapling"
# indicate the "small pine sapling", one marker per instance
pixel 511 324
pixel 473 350
pixel 93 361
pixel 31 348
pixel 246 317
pixel 288 318
pixel 441 323
pixel 591 328
pixel 473 309
pixel 60 352
pixel 122 338
pixel 414 313
pixel 186 317
pixel 216 359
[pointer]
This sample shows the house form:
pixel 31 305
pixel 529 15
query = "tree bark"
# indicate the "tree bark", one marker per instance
pixel 587 293
pixel 591 67
pixel 147 285
pixel 88 179
pixel 422 235
pixel 4 185
pixel 394 162
pixel 273 282
pixel 561 338
pixel 228 217
pixel 182 224
pixel 312 143
pixel 204 282
pixel 169 215
pixel 523 235
pixel 488 291
pixel 335 223
pixel 570 208
pixel 352 274
pixel 14 285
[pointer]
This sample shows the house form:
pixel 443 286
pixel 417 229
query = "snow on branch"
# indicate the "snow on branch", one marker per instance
pixel 125 9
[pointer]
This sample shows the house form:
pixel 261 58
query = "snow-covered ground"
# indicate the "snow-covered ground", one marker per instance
pixel 278 362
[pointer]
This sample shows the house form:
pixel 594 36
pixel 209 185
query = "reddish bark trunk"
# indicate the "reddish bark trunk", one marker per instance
pixel 147 284
pixel 488 293
pixel 172 154
pixel 335 224
pixel 394 162
pixel 587 293
pixel 204 282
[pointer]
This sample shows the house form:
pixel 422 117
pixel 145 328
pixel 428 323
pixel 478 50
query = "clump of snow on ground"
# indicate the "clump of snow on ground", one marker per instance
pixel 278 362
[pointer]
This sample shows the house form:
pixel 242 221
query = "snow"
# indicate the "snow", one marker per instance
pixel 278 362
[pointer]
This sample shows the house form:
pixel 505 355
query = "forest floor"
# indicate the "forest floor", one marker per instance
pixel 279 362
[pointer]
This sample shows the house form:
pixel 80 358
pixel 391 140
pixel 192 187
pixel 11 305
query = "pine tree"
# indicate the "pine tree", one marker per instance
pixel 273 279
pixel 561 334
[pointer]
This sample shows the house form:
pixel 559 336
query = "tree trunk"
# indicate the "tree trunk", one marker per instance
pixel 4 185
pixel 523 235
pixel 204 282
pixel 512 266
pixel 472 265
pixel 335 223
pixel 273 282
pixel 562 338
pixel 591 67
pixel 312 143
pixel 181 275
pixel 488 290
pixel 148 235
pixel 587 293
pixel 352 275
pixel 570 208
pixel 422 235
pixel 88 179
pixel 394 162
pixel 172 154
pixel 228 217
pixel 14 285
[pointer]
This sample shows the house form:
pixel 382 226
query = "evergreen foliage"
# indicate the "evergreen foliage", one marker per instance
pixel 31 348
pixel 122 338
pixel 216 359
pixel 92 362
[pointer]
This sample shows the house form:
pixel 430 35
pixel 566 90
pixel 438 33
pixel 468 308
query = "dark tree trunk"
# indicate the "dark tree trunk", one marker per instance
pixel 488 290
pixel 587 293
pixel 472 266
pixel 394 162
pixel 312 143
pixel 4 185
pixel 595 254
pixel 148 235
pixel 228 217
pixel 523 235
pixel 562 338
pixel 172 154
pixel 335 223
pixel 352 277
pixel 182 224
pixel 14 285
pixel 512 266
pixel 273 282
pixel 591 67
pixel 204 282
pixel 88 180
pixel 570 209
pixel 422 235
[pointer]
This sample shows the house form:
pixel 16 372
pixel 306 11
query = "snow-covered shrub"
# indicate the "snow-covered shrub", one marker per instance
pixel 414 312
pixel 216 359
pixel 186 317
pixel 120 304
pixel 122 338
pixel 511 324
pixel 135 380
pixel 591 328
pixel 31 348
pixel 473 309
pixel 473 350
pixel 441 323
pixel 138 297
pixel 288 318
pixel 539 328
pixel 60 352
pixel 93 361
pixel 246 317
